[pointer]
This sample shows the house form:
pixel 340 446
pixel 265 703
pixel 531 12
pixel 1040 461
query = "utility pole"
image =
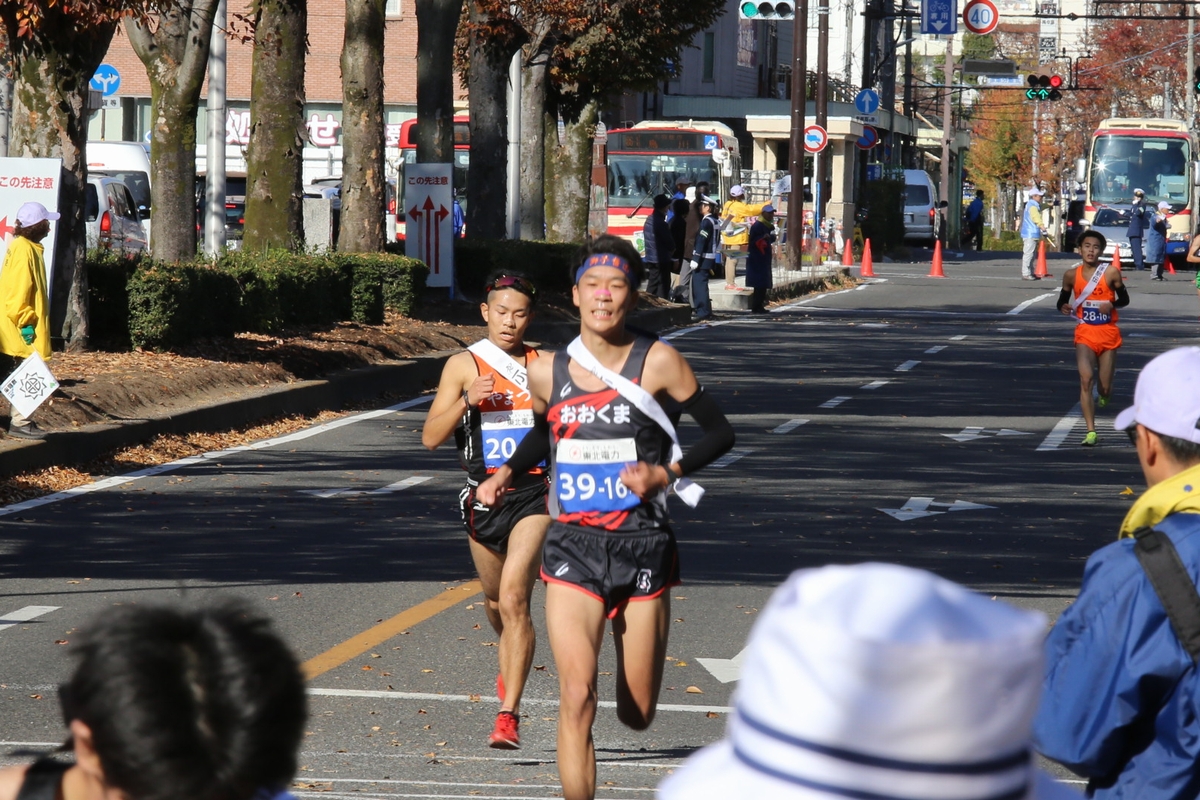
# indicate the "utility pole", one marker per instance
pixel 214 155
pixel 907 162
pixel 821 159
pixel 1191 66
pixel 795 220
pixel 947 122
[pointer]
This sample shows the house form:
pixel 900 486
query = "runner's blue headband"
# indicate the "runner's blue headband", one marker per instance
pixel 604 260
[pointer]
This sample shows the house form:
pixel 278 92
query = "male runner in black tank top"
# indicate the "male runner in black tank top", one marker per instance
pixel 607 556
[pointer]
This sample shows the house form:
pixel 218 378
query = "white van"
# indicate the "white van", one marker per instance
pixel 129 162
pixel 920 205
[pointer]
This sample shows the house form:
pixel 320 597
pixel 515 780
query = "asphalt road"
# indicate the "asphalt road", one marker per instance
pixel 927 422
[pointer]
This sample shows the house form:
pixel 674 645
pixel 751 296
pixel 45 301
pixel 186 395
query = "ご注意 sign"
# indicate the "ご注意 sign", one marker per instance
pixel 429 223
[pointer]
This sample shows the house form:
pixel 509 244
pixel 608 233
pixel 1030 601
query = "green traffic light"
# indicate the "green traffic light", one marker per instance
pixel 750 10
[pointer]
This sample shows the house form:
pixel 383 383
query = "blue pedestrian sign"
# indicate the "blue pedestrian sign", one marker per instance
pixel 106 80
pixel 867 101
pixel 939 17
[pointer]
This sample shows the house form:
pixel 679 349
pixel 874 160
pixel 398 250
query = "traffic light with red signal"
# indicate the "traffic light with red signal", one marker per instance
pixel 1045 87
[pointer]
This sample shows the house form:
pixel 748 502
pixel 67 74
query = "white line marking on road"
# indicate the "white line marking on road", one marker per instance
pixel 937 348
pixel 118 480
pixel 493 786
pixel 1008 330
pixel 729 458
pixel 1062 429
pixel 874 324
pixel 906 366
pixel 958 338
pixel 474 698
pixel 972 433
pixel 24 615
pixel 347 492
pixel 726 670
pixel 526 756
pixel 834 402
pixel 918 507
pixel 1030 302
pixel 874 384
pixel 789 426
pixel 360 795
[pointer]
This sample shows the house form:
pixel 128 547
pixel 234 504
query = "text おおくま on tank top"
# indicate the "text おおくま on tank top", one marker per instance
pixel 594 435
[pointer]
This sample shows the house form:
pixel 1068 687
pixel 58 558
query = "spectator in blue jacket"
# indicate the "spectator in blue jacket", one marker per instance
pixel 975 221
pixel 1121 697
pixel 1137 227
pixel 1156 240
pixel 660 248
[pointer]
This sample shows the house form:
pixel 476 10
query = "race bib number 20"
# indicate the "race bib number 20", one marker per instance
pixel 502 432
pixel 588 475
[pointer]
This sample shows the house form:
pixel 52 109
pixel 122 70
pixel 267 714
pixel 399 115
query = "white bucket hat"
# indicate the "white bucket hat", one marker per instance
pixel 882 682
pixel 1167 397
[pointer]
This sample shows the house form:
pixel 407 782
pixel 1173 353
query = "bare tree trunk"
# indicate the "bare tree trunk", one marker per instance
pixel 569 162
pixel 487 84
pixel 437 24
pixel 176 58
pixel 275 157
pixel 533 139
pixel 50 121
pixel 362 129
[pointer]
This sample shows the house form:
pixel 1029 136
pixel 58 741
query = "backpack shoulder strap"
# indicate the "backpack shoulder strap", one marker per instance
pixel 1174 587
pixel 42 780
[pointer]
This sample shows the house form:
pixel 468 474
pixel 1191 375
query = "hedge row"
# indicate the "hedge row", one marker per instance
pixel 151 304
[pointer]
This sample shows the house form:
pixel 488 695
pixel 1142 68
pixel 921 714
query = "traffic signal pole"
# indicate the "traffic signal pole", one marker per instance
pixel 795 216
pixel 820 160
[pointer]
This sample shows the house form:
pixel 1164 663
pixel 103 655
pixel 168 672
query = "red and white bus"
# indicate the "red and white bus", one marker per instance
pixel 652 156
pixel 407 144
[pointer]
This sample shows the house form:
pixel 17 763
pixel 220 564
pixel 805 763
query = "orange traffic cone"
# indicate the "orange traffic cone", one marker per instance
pixel 867 269
pixel 1116 262
pixel 935 270
pixel 1170 266
pixel 847 254
pixel 1041 271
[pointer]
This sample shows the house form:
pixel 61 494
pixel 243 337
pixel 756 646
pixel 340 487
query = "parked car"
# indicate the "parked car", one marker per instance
pixel 1074 225
pixel 920 207
pixel 235 207
pixel 111 218
pixel 129 162
pixel 1113 224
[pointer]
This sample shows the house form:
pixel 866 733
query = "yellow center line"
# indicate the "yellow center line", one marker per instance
pixel 373 637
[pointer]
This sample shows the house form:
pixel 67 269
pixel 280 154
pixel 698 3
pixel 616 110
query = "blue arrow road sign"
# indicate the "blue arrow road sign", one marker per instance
pixel 867 101
pixel 939 17
pixel 106 80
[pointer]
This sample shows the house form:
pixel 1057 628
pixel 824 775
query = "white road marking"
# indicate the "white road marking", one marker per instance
pixel 347 492
pixel 814 298
pixel 958 338
pixel 1030 302
pixel 729 458
pixel 493 786
pixel 834 402
pixel 906 366
pixel 874 324
pixel 210 456
pixel 523 757
pixel 874 384
pixel 918 507
pixel 726 670
pixel 1062 429
pixel 474 698
pixel 24 615
pixel 937 348
pixel 970 434
pixel 789 426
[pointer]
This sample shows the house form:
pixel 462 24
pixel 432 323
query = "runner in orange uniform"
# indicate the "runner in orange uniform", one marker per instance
pixel 1092 293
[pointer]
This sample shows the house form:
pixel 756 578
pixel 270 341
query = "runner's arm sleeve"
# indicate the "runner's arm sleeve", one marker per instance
pixel 1064 298
pixel 1122 297
pixel 533 449
pixel 718 433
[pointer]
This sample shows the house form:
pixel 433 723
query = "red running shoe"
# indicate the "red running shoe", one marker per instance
pixel 500 687
pixel 504 735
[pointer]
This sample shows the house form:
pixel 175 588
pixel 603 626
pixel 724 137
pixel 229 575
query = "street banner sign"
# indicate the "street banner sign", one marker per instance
pixel 29 385
pixel 23 180
pixel 981 16
pixel 429 229
pixel 939 17
pixel 815 138
pixel 869 139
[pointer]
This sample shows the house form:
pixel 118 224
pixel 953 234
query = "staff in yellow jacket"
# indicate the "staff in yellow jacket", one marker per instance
pixel 25 323
pixel 736 218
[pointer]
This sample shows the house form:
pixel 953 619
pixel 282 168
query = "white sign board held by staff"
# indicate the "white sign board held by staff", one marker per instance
pixel 429 219
pixel 29 385
pixel 23 180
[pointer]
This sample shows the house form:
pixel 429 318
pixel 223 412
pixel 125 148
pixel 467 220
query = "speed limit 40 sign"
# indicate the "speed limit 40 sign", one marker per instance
pixel 980 16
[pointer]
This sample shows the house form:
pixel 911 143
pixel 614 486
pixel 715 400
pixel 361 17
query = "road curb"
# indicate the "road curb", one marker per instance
pixel 413 376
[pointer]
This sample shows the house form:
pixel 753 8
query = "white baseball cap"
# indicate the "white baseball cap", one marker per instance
pixel 1167 397
pixel 34 212
pixel 736 190
pixel 878 680
pixel 690 194
pixel 1036 192
pixel 1163 205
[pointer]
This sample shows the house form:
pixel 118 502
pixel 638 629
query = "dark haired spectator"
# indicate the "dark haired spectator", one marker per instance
pixel 167 704
pixel 659 247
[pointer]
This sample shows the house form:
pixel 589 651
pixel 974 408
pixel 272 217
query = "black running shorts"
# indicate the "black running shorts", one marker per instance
pixel 492 526
pixel 615 568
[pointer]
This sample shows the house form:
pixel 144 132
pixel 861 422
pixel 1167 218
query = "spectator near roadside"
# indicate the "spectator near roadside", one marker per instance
pixel 678 225
pixel 1137 227
pixel 660 248
pixel 879 682
pixel 736 218
pixel 704 255
pixel 1156 240
pixel 166 704
pixel 1031 231
pixel 1122 692
pixel 975 221
pixel 25 324
pixel 758 259
pixel 681 187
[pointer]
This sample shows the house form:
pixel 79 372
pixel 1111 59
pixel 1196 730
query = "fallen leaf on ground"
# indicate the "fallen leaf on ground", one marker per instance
pixel 694 690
